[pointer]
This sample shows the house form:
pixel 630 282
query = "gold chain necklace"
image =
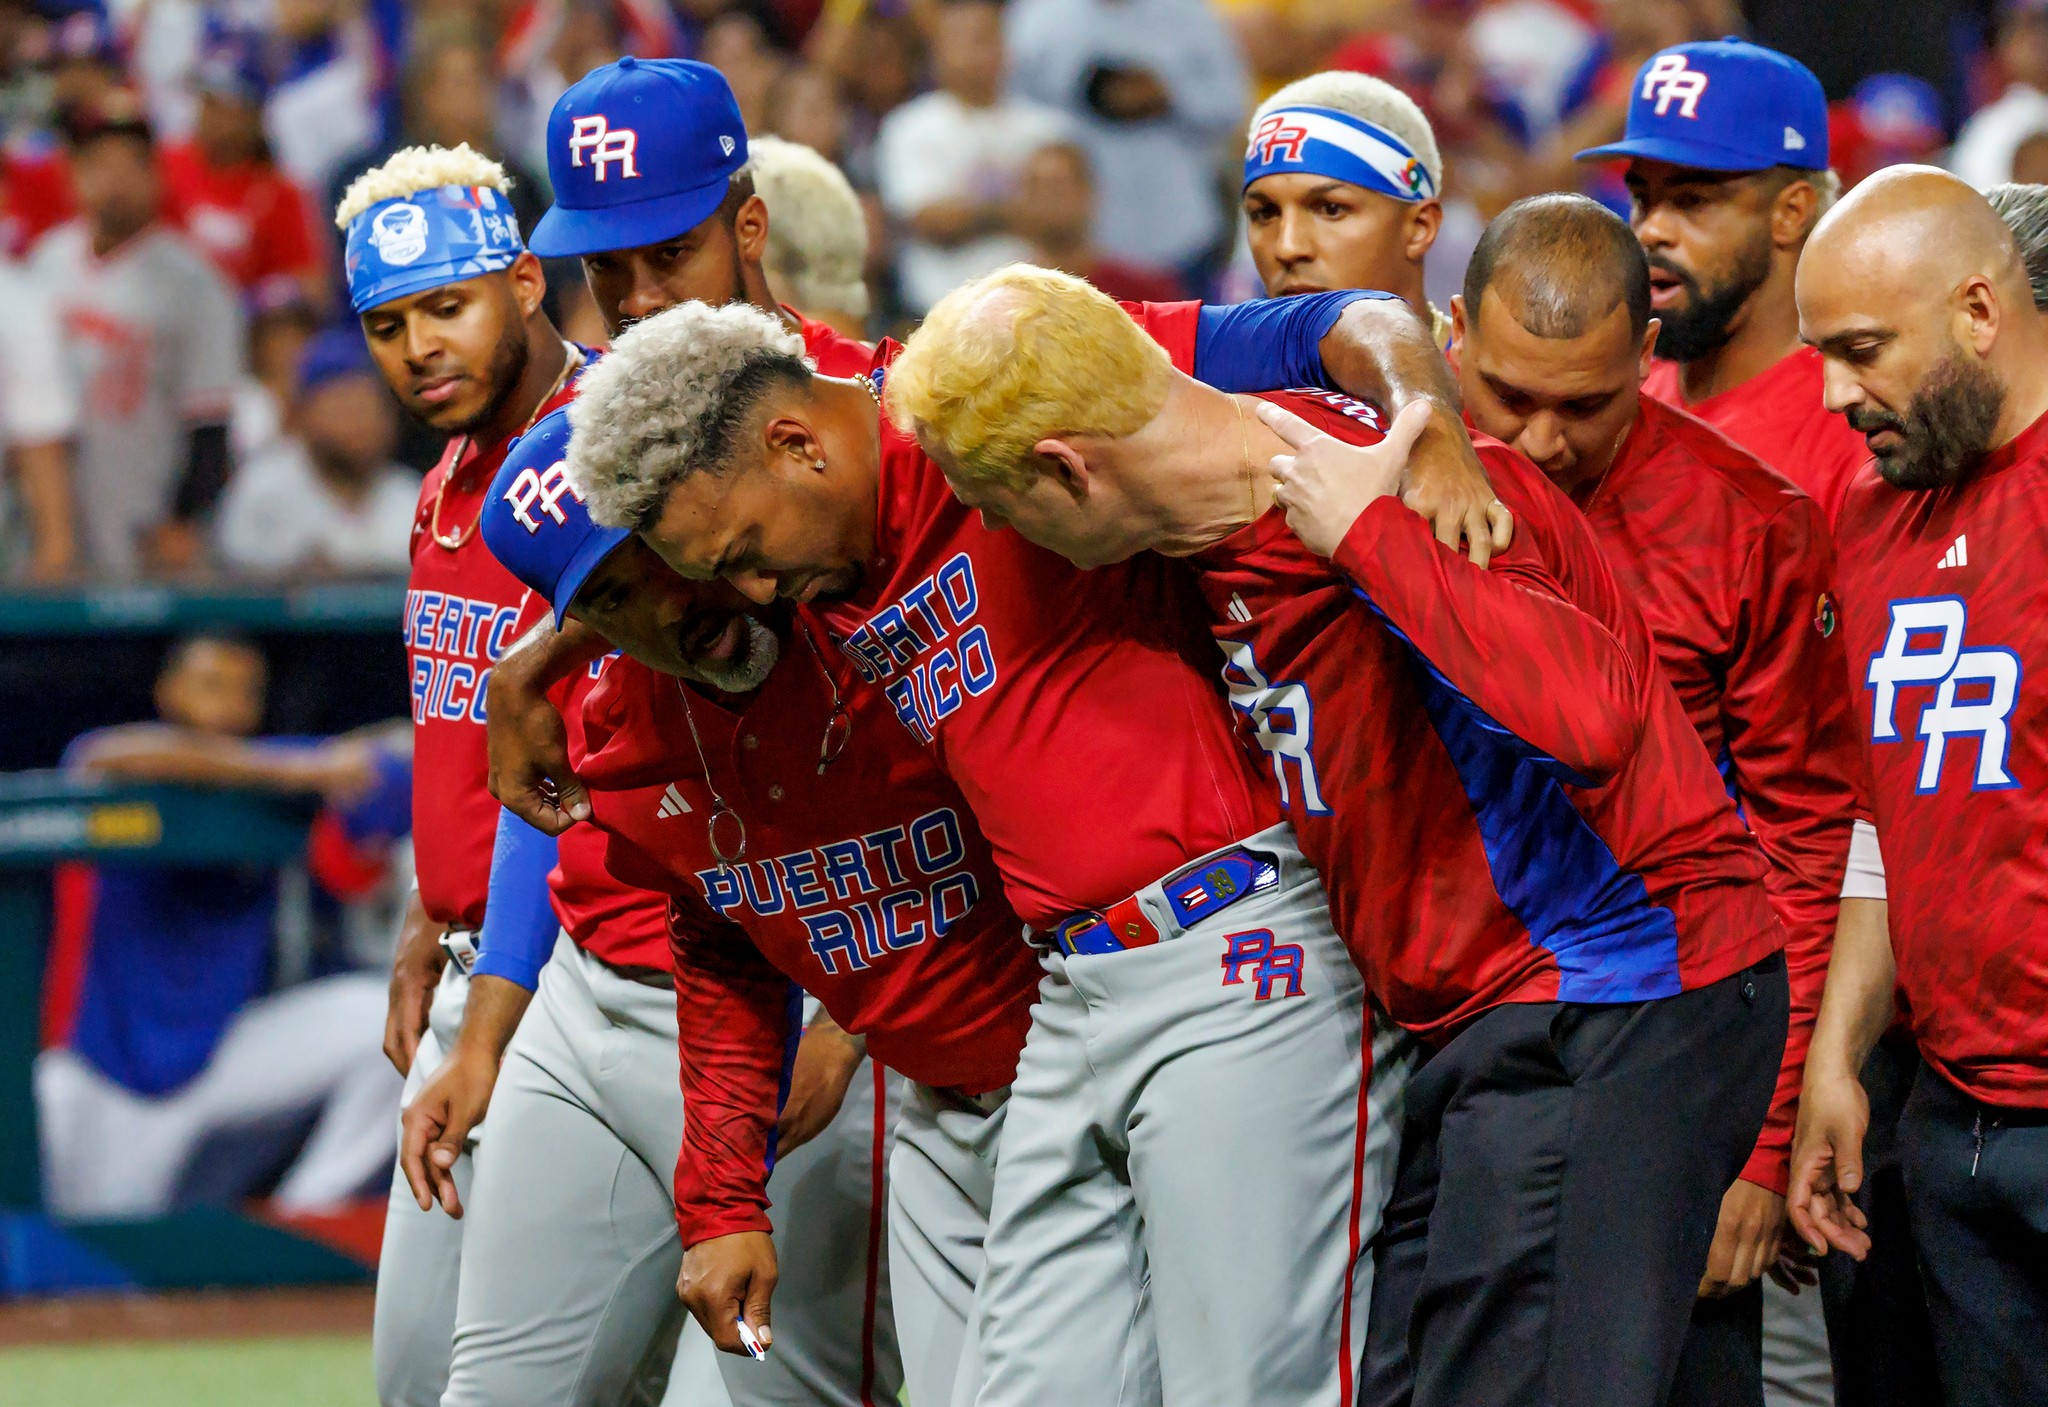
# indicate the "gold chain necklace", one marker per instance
pixel 462 447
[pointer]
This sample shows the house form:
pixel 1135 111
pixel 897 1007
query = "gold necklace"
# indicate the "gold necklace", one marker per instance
pixel 462 535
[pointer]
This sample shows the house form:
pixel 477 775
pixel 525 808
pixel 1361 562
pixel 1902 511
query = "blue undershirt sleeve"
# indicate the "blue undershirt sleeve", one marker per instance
pixel 519 922
pixel 1269 344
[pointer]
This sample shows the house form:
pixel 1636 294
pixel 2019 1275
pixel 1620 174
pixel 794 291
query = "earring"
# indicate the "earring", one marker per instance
pixel 819 465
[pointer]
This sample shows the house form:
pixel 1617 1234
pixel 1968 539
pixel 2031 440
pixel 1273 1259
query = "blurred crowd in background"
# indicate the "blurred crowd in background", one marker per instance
pixel 182 397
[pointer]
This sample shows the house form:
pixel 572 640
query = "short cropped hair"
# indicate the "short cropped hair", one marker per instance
pixel 669 401
pixel 1560 263
pixel 817 232
pixel 1374 99
pixel 414 169
pixel 2024 208
pixel 1018 356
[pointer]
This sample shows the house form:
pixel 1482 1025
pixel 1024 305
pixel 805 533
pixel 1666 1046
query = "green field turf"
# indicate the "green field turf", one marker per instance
pixel 322 1371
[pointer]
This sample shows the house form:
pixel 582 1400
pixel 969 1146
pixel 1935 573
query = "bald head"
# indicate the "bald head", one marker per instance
pixel 1915 292
pixel 1560 264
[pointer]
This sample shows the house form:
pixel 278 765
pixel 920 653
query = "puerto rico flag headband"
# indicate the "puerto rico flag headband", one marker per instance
pixel 429 238
pixel 1320 141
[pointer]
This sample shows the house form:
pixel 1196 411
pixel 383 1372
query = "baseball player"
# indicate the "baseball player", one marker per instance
pixel 449 301
pixel 1187 945
pixel 1341 180
pixel 558 1193
pixel 794 825
pixel 1735 572
pixel 1727 152
pixel 1525 843
pixel 1918 301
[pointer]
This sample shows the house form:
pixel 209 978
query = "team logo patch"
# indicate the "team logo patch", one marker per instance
pixel 1277 135
pixel 1672 80
pixel 1824 617
pixel 1271 964
pixel 399 234
pixel 604 144
pixel 1974 691
pixel 1413 176
pixel 542 489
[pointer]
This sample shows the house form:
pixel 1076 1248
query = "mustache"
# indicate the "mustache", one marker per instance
pixel 1868 420
pixel 1662 264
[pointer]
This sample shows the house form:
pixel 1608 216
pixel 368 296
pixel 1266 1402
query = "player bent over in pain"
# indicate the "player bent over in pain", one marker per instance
pixel 1526 846
pixel 1191 1119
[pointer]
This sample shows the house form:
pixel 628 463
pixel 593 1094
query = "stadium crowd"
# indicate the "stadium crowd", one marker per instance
pixel 1713 1153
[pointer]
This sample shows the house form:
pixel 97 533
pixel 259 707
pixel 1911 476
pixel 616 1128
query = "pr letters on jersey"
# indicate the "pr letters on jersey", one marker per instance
pixel 862 898
pixel 453 642
pixel 1975 690
pixel 1282 718
pixel 923 650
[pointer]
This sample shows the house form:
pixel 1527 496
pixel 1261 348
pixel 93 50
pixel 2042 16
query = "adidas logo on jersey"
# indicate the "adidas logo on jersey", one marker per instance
pixel 673 804
pixel 1958 554
pixel 1239 611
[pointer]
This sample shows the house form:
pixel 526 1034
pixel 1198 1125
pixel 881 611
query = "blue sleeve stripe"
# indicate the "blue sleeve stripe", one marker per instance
pixel 792 1037
pixel 520 926
pixel 1551 869
pixel 1270 344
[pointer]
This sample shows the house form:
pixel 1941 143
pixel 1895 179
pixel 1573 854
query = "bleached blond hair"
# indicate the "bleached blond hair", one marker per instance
pixel 1022 355
pixel 1374 99
pixel 667 402
pixel 414 169
pixel 817 232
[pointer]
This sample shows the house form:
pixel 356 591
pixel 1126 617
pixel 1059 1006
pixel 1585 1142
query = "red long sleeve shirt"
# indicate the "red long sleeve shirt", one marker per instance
pixel 1502 793
pixel 1734 570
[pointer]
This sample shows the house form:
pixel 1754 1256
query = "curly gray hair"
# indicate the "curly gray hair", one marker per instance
pixel 666 403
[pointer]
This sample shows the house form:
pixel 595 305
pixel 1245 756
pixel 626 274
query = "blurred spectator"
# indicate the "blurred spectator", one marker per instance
pixel 1160 92
pixel 947 163
pixel 327 497
pixel 1054 212
pixel 547 47
pixel 324 102
pixel 153 345
pixel 159 1038
pixel 38 417
pixel 1889 119
pixel 277 340
pixel 877 59
pixel 804 107
pixel 1986 147
pixel 736 44
pixel 817 234
pixel 225 192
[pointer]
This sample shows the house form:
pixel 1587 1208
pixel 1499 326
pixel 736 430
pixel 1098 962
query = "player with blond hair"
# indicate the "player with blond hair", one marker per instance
pixel 1527 850
pixel 817 233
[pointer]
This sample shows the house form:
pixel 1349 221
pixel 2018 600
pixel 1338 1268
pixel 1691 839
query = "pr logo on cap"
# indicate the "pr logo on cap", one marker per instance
pixel 604 145
pixel 544 488
pixel 1670 79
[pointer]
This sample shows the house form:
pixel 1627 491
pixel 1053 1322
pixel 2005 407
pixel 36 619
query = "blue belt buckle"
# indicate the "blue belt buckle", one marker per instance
pixel 1085 935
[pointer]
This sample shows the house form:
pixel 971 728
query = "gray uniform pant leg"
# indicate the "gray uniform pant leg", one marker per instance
pixel 941 1181
pixel 569 1254
pixel 418 1266
pixel 835 1332
pixel 1201 1121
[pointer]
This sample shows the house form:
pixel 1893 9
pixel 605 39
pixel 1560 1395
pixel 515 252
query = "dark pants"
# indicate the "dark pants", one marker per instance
pixel 1722 1364
pixel 1561 1173
pixel 1977 1193
pixel 1879 1341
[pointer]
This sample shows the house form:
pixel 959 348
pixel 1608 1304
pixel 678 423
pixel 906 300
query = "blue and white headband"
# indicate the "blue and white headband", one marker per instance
pixel 1321 141
pixel 429 238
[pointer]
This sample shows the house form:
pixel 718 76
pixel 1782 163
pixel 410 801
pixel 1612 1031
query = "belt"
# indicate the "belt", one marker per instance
pixel 1192 894
pixel 460 945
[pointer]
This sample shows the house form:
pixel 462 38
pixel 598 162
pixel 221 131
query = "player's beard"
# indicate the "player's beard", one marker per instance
pixel 504 375
pixel 750 670
pixel 1947 428
pixel 1706 323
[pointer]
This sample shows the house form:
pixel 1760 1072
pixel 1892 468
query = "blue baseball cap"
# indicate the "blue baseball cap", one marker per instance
pixel 534 521
pixel 331 354
pixel 1724 105
pixel 638 152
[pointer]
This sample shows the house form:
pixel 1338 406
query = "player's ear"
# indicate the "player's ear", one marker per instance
pixel 750 229
pixel 787 435
pixel 529 282
pixel 1649 352
pixel 1457 323
pixel 1423 223
pixel 1065 466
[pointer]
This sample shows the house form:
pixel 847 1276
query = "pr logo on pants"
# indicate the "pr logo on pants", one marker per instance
pixel 1271 963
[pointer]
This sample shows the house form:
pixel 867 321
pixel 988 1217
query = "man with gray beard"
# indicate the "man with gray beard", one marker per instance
pixel 2024 209
pixel 1917 297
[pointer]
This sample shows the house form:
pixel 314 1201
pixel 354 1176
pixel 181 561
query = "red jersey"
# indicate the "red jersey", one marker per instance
pixel 1777 415
pixel 462 609
pixel 249 218
pixel 866 883
pixel 1946 628
pixel 1501 792
pixel 1734 570
pixel 1074 709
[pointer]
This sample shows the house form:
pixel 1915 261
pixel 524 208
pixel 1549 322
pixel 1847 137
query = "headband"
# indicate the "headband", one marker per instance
pixel 429 238
pixel 1321 141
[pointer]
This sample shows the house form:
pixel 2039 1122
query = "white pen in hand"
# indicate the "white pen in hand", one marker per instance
pixel 750 1343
